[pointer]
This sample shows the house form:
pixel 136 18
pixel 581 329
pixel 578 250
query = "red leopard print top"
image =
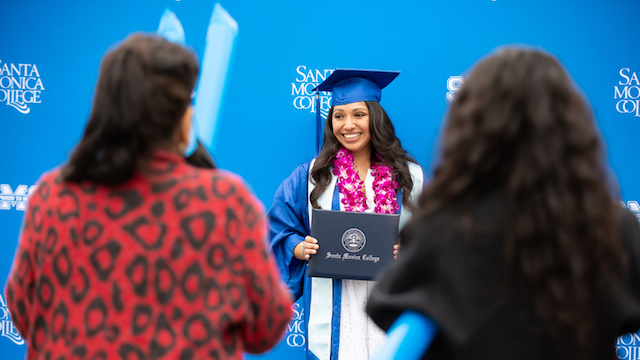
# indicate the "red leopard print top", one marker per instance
pixel 170 265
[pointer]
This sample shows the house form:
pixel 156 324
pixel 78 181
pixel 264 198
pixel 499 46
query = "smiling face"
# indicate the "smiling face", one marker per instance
pixel 350 124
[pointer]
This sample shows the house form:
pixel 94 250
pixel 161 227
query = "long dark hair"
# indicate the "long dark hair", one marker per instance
pixel 383 141
pixel 519 124
pixel 143 91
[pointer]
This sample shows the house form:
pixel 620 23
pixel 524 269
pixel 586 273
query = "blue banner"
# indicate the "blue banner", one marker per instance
pixel 264 124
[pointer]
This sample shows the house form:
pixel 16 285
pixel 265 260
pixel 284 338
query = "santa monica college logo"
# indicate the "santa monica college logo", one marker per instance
pixel 353 240
pixel 295 329
pixel 627 92
pixel 17 198
pixel 454 84
pixel 6 325
pixel 305 97
pixel 628 347
pixel 20 85
pixel 633 206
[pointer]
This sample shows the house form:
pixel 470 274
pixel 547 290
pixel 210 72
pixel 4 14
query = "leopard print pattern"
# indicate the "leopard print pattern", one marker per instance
pixel 170 265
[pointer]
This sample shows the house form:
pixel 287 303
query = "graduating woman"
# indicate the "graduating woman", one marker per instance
pixel 519 250
pixel 361 167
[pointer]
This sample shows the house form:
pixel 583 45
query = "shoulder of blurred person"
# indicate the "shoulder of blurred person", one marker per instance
pixel 173 221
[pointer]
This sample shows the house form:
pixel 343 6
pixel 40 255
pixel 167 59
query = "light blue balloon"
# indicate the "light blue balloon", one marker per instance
pixel 221 36
pixel 171 28
pixel 220 40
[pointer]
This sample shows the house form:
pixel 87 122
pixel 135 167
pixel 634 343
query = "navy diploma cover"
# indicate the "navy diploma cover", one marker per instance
pixel 353 245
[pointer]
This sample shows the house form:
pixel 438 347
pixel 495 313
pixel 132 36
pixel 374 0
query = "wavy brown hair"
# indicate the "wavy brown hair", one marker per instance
pixel 383 141
pixel 143 91
pixel 520 125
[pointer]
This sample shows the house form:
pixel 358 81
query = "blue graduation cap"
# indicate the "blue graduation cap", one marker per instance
pixel 349 86
pixel 352 85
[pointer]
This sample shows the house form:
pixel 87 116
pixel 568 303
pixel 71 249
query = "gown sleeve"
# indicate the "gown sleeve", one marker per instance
pixel 399 289
pixel 458 280
pixel 439 272
pixel 288 226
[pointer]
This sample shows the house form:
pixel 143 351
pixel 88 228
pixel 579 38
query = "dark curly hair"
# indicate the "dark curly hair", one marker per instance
pixel 383 141
pixel 520 125
pixel 143 90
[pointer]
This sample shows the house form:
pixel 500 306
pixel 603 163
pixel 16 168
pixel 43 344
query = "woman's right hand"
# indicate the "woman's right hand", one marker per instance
pixel 306 248
pixel 396 249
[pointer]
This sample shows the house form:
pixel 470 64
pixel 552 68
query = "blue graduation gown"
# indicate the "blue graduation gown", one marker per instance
pixel 289 223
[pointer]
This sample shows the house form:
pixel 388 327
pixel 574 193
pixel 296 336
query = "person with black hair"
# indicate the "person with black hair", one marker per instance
pixel 361 167
pixel 519 249
pixel 128 251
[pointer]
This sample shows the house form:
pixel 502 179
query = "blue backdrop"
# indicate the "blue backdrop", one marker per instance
pixel 50 54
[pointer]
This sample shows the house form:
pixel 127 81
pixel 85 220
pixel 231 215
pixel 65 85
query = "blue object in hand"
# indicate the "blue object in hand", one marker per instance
pixel 408 338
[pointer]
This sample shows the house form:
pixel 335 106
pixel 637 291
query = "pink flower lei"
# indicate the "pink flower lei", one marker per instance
pixel 351 187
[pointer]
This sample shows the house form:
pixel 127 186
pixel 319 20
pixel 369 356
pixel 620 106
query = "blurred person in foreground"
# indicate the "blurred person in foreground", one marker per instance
pixel 519 249
pixel 129 252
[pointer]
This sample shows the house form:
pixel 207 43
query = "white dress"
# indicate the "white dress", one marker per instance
pixel 360 337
